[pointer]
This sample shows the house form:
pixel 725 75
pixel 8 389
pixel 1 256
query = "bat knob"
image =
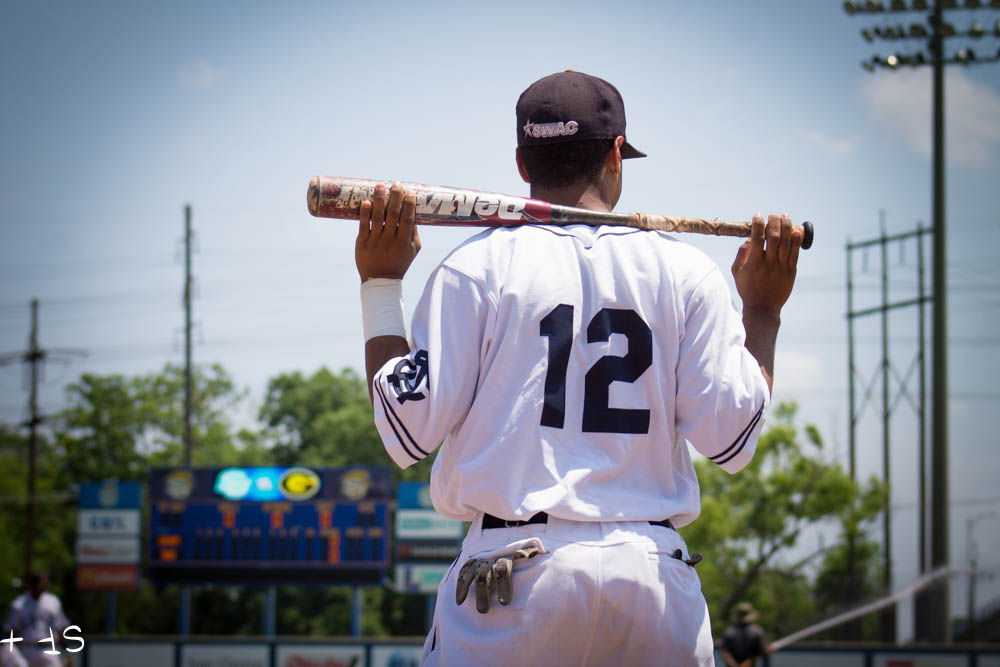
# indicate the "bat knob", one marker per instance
pixel 807 235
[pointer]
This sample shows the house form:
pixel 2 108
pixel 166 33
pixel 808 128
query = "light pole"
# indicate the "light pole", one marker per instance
pixel 932 619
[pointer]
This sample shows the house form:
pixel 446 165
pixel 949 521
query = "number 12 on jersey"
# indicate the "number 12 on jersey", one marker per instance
pixel 598 416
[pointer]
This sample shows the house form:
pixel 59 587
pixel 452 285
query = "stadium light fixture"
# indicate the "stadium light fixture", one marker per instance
pixel 976 31
pixel 867 34
pixel 867 66
pixel 874 6
pixel 918 30
pixel 897 6
pixel 949 4
pixel 972 4
pixel 852 7
pixel 921 5
pixel 892 62
pixel 996 28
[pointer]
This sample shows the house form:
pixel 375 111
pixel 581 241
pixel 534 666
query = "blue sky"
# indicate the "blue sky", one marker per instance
pixel 116 114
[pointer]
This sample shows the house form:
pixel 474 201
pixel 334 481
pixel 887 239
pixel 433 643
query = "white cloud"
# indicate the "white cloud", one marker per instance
pixel 198 76
pixel 831 145
pixel 902 100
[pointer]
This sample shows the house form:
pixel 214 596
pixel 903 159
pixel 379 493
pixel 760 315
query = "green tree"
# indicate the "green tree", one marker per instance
pixel 13 487
pixel 327 419
pixel 118 427
pixel 843 581
pixel 54 525
pixel 752 522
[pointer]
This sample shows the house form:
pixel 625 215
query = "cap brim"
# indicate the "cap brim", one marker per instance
pixel 628 150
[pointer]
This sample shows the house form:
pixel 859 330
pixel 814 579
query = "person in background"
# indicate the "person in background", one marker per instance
pixel 743 642
pixel 36 616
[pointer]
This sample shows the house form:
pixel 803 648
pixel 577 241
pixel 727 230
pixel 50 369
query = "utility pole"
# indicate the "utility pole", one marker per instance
pixel 933 606
pixel 34 356
pixel 188 439
pixel 931 614
pixel 185 603
pixel 890 400
pixel 887 617
pixel 852 629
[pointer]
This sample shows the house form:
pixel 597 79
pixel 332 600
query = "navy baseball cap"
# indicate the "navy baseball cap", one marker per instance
pixel 571 106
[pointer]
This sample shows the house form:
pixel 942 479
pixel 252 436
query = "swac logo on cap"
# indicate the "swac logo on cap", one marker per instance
pixel 559 129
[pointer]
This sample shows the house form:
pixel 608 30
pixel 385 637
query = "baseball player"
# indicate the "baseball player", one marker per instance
pixel 37 617
pixel 563 372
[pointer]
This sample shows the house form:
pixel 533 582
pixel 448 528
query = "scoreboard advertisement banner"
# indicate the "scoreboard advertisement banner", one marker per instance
pixel 269 525
pixel 107 535
pixel 426 542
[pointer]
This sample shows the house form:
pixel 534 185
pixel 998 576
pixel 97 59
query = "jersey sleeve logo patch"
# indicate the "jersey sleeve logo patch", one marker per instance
pixel 408 376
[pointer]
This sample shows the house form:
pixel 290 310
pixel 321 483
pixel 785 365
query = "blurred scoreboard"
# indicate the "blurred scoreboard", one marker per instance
pixel 269 525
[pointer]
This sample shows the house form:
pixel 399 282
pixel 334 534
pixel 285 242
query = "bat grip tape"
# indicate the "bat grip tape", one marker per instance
pixel 382 308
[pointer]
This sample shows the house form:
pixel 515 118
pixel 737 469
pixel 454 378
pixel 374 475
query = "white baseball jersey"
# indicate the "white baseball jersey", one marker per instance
pixel 562 370
pixel 34 619
pixel 37 621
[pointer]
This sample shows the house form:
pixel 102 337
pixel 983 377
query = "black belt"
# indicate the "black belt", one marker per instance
pixel 490 521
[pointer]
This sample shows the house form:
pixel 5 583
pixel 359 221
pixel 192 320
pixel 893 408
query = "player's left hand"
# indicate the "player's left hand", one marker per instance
pixel 765 271
pixel 387 237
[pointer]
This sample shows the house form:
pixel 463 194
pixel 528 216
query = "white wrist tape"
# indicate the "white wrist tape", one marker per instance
pixel 382 308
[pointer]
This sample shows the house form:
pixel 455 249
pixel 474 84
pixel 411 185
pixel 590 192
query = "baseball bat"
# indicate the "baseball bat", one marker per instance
pixel 336 197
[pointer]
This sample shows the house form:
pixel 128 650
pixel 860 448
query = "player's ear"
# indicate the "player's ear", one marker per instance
pixel 613 163
pixel 520 166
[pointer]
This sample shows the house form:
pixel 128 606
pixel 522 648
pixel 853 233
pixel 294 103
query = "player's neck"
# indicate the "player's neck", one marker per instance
pixel 581 195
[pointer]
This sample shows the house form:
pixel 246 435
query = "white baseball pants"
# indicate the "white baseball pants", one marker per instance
pixel 598 594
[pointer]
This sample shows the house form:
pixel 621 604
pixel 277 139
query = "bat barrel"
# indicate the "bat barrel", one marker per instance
pixel 338 197
pixel 313 194
pixel 341 197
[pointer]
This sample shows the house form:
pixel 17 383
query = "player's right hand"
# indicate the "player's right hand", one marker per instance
pixel 387 236
pixel 765 265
